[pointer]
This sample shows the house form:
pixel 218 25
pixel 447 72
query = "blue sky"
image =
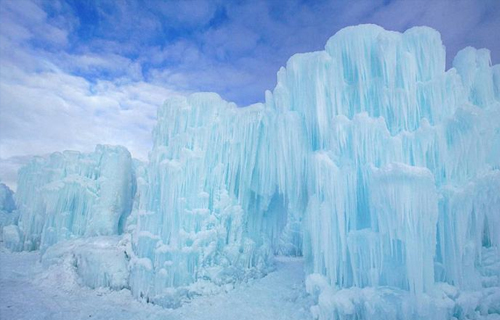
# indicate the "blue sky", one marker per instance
pixel 81 72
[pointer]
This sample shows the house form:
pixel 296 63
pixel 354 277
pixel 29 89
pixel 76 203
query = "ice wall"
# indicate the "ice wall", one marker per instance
pixel 201 217
pixel 7 203
pixel 71 194
pixel 400 158
pixel 8 213
pixel 369 158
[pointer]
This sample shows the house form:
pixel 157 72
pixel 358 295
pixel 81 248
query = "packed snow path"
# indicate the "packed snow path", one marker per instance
pixel 26 294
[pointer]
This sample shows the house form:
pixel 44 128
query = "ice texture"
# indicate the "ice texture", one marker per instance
pixel 7 203
pixel 202 214
pixel 8 212
pixel 369 158
pixel 401 159
pixel 70 194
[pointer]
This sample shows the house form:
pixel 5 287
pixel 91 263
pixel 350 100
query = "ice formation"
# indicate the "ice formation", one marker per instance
pixel 7 203
pixel 8 213
pixel 70 194
pixel 369 159
pixel 206 173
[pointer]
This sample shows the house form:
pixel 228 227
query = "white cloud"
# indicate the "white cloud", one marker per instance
pixel 45 106
pixel 49 111
pixel 9 168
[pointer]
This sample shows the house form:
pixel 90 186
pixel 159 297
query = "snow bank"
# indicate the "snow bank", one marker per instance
pixel 94 262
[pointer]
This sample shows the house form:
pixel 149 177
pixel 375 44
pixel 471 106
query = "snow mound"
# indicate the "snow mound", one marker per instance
pixel 96 262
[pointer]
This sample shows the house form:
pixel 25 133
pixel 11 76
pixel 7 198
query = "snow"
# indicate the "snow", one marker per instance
pixel 369 159
pixel 28 291
pixel 97 261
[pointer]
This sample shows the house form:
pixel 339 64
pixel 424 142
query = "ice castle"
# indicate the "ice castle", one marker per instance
pixel 369 159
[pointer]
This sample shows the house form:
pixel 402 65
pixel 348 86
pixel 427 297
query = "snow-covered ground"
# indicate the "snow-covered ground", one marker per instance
pixel 29 292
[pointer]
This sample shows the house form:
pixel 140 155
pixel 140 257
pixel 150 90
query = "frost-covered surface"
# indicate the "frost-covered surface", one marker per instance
pixel 71 194
pixel 369 159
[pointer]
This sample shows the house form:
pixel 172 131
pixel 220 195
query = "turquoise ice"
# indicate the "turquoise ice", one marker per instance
pixel 369 158
pixel 70 194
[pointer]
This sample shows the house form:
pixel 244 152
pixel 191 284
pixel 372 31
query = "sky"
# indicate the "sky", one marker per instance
pixel 77 73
